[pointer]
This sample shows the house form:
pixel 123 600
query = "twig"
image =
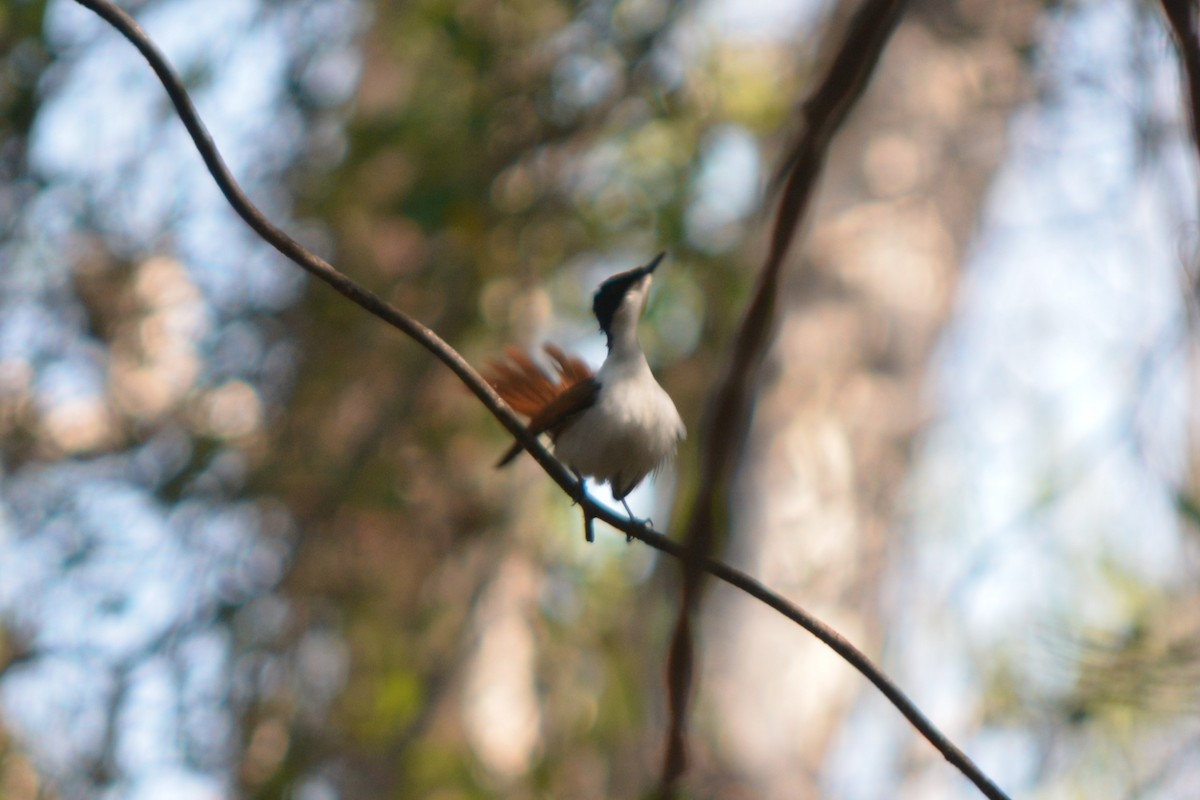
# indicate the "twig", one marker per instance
pixel 451 358
pixel 727 420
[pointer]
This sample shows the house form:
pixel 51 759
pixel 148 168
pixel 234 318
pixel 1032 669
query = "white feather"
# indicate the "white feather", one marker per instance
pixel 633 427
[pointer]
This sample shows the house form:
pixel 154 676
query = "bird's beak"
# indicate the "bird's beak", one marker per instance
pixel 653 265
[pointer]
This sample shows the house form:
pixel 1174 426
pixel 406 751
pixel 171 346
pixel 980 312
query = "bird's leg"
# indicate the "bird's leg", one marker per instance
pixel 589 526
pixel 645 523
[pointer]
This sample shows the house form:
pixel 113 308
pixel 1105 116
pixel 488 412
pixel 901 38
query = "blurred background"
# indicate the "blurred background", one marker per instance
pixel 251 542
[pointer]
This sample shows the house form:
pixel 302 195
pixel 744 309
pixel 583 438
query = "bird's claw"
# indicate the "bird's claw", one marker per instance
pixel 646 523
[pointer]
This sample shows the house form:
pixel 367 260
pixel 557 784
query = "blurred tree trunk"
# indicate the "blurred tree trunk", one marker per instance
pixel 820 493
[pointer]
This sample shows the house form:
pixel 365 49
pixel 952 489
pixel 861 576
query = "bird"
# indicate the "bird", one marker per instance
pixel 616 425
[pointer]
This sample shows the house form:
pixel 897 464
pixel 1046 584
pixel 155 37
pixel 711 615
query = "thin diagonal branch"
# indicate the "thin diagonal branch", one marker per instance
pixel 727 421
pixel 467 374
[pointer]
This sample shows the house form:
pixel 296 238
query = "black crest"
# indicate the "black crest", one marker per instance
pixel 610 294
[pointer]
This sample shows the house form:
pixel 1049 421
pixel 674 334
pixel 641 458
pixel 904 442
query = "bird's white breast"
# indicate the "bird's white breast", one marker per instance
pixel 631 430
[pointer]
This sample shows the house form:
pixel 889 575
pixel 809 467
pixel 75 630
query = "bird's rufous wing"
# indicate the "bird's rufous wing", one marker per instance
pixel 558 413
pixel 521 383
pixel 572 369
pixel 548 401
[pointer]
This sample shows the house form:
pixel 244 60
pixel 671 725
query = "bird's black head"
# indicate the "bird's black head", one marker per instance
pixel 612 292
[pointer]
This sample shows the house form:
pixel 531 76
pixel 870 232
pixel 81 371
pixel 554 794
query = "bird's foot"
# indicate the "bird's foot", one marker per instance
pixel 646 523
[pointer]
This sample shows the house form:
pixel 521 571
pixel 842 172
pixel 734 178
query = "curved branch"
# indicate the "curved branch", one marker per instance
pixel 424 336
